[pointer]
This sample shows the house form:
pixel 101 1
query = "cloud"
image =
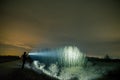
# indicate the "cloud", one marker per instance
pixel 7 49
pixel 27 24
pixel 20 45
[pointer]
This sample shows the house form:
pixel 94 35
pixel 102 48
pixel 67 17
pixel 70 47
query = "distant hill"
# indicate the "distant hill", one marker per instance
pixel 8 58
pixel 95 59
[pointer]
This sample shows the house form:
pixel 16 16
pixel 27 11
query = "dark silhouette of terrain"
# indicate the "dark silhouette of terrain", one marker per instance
pixel 10 69
pixel 112 75
pixel 8 58
pixel 95 59
pixel 25 74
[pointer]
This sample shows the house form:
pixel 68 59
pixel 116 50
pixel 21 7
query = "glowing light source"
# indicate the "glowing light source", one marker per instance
pixel 72 56
pixel 65 56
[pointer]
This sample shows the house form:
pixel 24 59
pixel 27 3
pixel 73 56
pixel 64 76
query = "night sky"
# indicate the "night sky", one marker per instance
pixel 92 25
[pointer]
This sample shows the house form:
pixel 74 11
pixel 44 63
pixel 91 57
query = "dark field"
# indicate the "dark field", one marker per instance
pixel 8 58
pixel 12 71
pixel 112 75
pixel 26 74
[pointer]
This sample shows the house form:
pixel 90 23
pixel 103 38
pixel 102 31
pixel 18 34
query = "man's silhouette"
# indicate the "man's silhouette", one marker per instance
pixel 24 57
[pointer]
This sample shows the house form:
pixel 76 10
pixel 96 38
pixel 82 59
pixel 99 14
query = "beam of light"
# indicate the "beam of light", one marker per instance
pixel 65 56
pixel 43 53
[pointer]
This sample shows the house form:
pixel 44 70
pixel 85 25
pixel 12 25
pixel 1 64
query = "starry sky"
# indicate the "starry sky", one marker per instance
pixel 92 25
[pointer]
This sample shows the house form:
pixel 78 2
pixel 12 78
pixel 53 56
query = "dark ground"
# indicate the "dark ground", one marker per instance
pixel 8 58
pixel 112 75
pixel 12 71
pixel 26 74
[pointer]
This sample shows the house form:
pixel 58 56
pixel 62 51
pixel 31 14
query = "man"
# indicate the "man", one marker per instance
pixel 24 58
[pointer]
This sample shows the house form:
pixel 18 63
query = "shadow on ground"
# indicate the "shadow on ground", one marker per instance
pixel 25 74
